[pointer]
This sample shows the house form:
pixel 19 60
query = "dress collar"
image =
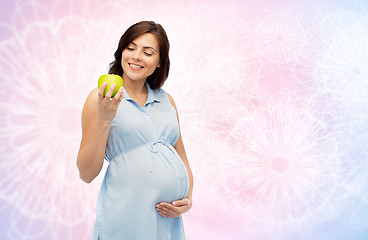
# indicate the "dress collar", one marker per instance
pixel 150 98
pixel 151 95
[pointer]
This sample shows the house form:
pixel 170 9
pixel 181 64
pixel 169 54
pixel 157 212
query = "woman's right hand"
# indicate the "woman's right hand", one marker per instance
pixel 108 106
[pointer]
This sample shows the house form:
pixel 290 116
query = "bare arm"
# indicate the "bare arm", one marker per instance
pixel 97 114
pixel 179 147
pixel 180 206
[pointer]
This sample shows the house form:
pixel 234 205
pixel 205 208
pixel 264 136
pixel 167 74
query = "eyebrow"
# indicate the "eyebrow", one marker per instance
pixel 144 47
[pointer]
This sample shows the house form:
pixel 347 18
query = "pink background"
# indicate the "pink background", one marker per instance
pixel 272 99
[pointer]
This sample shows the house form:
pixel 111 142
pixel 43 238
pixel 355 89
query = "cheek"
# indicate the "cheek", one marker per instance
pixel 123 56
pixel 154 62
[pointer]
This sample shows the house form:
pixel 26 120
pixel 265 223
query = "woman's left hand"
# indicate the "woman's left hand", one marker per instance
pixel 175 209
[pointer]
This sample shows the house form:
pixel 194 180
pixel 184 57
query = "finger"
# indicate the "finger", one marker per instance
pixel 164 215
pixel 169 214
pixel 181 210
pixel 182 202
pixel 171 209
pixel 121 97
pixel 119 94
pixel 168 206
pixel 159 207
pixel 162 211
pixel 110 91
pixel 102 90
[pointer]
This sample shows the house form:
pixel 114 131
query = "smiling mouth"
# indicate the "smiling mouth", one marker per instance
pixel 135 66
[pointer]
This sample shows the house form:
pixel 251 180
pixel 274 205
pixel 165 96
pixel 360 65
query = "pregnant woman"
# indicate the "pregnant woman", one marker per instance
pixel 148 183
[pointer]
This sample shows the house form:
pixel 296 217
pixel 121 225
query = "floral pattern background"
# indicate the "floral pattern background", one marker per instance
pixel 273 105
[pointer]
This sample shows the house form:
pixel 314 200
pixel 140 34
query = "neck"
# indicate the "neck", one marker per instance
pixel 135 88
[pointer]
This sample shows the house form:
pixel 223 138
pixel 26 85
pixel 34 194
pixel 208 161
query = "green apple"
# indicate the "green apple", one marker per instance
pixel 110 79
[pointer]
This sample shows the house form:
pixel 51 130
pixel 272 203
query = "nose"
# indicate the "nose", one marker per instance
pixel 137 56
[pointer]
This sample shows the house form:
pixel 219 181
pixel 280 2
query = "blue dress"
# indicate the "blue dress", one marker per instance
pixel 144 169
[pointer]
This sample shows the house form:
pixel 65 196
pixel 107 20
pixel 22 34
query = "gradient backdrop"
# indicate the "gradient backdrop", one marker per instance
pixel 273 105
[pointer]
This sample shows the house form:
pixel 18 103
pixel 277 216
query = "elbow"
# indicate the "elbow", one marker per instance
pixel 83 174
pixel 85 179
pixel 87 173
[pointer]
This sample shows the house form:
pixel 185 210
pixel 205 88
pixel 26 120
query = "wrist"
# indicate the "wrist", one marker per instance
pixel 190 202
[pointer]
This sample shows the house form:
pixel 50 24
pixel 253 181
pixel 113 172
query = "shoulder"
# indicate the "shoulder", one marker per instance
pixel 163 95
pixel 90 105
pixel 171 99
pixel 92 96
pixel 93 93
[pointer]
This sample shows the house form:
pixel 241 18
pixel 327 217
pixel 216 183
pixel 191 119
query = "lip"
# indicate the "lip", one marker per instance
pixel 134 68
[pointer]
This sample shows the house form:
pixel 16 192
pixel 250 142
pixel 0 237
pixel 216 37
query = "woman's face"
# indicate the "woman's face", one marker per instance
pixel 140 59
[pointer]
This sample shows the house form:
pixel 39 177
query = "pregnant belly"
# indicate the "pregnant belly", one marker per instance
pixel 150 176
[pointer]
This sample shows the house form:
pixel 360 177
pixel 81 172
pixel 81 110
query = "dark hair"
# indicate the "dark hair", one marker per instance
pixel 159 76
